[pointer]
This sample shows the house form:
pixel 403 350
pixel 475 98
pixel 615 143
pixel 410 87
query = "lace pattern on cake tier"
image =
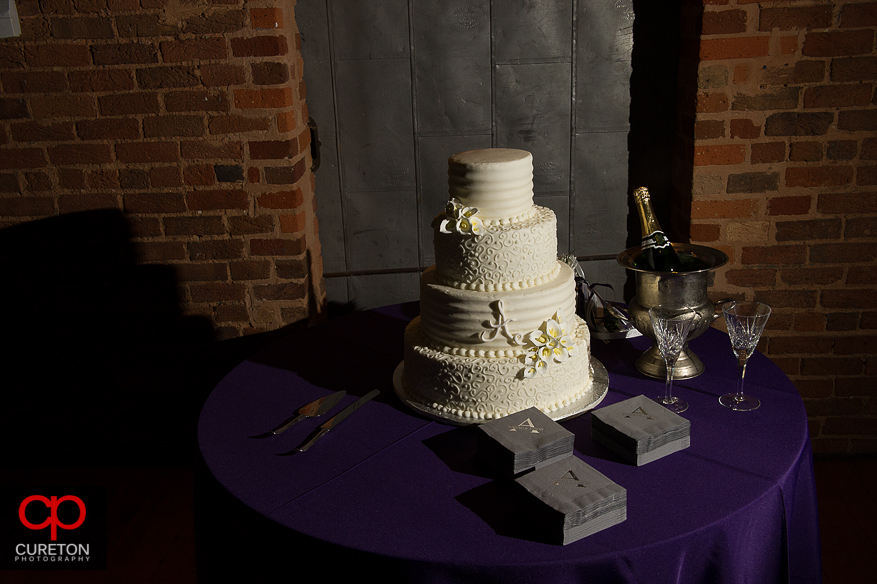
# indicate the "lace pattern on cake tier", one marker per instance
pixel 484 388
pixel 505 257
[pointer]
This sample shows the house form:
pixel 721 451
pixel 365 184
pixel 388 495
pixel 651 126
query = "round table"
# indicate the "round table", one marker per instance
pixel 391 492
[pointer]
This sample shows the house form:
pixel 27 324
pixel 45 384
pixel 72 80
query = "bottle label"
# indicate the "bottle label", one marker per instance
pixel 656 240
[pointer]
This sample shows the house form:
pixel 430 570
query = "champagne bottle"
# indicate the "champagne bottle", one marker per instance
pixel 658 255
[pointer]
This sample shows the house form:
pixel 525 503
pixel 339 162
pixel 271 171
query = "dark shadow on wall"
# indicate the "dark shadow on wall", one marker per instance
pixel 99 366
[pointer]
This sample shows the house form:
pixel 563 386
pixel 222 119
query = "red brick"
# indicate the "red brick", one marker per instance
pixel 254 175
pixel 88 201
pixel 262 46
pixel 147 152
pixel 866 175
pixel 217 200
pixel 838 44
pixel 711 102
pixel 773 99
pixel 145 25
pixel 165 77
pixel 789 205
pixel 277 247
pixel 285 291
pixel 798 124
pixel 847 203
pixel 768 152
pixel 250 270
pixel 853 69
pixel 751 277
pixel 828 96
pixel 33 81
pixel 196 101
pixel 810 151
pixel 293 223
pixel 737 208
pixel 212 272
pixel 805 71
pixel 57 55
pixel 124 54
pixel 839 253
pixel 775 255
pixel 200 175
pixel 734 48
pixel 154 203
pixel 216 249
pixel 281 200
pixel 861 275
pixel 246 225
pixel 801 345
pixel 42 132
pixel 101 80
pixel 71 178
pixel 724 22
pixel 222 75
pixel 808 230
pixel 787 298
pixel 217 292
pixel 194 50
pixel 109 129
pixel 26 206
pixel 841 149
pixel 808 17
pixel 846 298
pixel 859 15
pixel 37 181
pixel 857 120
pixel 233 124
pixel 87 27
pixel 704 232
pixel 271 149
pixel 263 98
pixel 286 121
pixel 165 177
pixel 745 129
pixel 70 154
pixel 818 176
pixel 861 227
pixel 63 106
pixel 19 158
pixel 811 276
pixel 220 21
pixel 173 126
pixel 133 178
pixel 202 149
pixel 705 155
pixel 270 18
pixel 270 73
pixel 128 104
pixel 709 129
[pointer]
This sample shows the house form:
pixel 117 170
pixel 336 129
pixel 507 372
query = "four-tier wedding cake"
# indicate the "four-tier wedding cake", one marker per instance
pixel 498 330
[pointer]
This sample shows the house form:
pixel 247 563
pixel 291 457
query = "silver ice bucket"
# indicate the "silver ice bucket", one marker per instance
pixel 679 290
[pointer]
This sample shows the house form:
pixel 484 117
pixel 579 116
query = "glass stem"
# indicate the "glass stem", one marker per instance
pixel 741 369
pixel 668 398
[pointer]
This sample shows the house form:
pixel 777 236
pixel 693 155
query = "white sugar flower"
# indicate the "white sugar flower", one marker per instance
pixel 550 344
pixel 460 219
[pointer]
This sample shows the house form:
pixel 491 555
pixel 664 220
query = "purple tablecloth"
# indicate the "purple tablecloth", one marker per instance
pixel 403 494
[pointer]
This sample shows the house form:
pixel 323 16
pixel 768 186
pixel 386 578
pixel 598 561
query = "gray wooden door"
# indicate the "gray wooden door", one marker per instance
pixel 397 86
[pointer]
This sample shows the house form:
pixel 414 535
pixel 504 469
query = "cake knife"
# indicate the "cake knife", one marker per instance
pixel 334 421
pixel 312 410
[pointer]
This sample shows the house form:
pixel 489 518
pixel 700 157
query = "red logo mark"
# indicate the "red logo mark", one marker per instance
pixel 52 505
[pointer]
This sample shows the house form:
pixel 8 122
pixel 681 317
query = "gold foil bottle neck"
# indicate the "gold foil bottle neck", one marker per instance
pixel 641 194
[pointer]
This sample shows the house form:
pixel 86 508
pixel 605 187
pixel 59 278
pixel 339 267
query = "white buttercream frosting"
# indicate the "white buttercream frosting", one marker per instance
pixel 498 181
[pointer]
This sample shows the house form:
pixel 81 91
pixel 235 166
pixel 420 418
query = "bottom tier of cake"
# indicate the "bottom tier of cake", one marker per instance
pixel 483 388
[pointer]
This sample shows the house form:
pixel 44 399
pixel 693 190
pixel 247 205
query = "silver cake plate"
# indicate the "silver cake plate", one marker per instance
pixel 577 408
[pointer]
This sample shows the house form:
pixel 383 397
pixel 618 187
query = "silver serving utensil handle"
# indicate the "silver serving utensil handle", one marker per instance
pixel 311 410
pixel 334 421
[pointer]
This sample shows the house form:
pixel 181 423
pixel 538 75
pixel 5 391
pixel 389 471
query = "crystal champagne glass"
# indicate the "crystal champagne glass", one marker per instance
pixel 745 322
pixel 671 326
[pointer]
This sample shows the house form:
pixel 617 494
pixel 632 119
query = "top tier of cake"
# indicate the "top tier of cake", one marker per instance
pixel 498 181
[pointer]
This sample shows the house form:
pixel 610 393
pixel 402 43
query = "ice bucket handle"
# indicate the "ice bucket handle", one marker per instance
pixel 717 307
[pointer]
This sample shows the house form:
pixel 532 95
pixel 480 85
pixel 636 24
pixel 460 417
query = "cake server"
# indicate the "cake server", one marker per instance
pixel 312 410
pixel 334 421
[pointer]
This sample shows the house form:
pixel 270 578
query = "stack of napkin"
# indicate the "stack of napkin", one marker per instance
pixel 640 430
pixel 523 441
pixel 578 500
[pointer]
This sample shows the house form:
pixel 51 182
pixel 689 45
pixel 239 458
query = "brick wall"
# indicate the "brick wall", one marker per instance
pixel 190 118
pixel 777 166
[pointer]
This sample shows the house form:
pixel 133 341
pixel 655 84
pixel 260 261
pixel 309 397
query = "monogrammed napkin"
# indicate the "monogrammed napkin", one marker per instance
pixel 522 441
pixel 578 500
pixel 640 430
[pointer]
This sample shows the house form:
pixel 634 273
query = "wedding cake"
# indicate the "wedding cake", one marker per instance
pixel 497 331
